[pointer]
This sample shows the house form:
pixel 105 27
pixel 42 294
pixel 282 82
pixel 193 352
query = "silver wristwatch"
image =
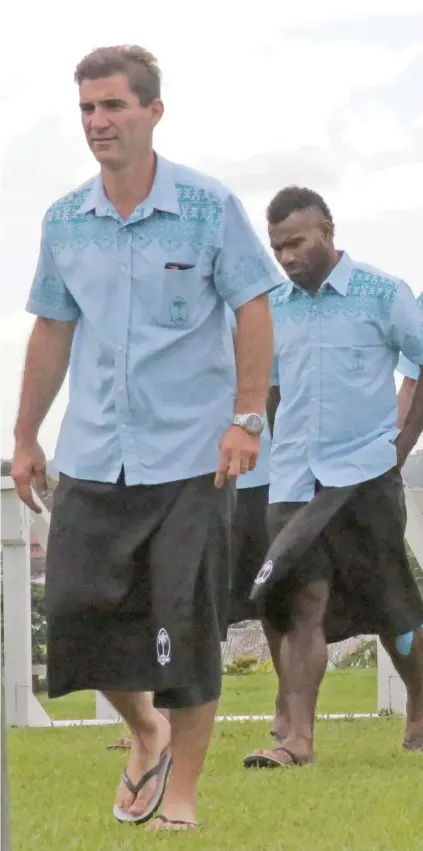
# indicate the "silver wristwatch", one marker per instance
pixel 252 423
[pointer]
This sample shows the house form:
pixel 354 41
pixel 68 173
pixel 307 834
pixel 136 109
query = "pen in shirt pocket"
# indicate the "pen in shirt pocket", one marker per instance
pixel 179 267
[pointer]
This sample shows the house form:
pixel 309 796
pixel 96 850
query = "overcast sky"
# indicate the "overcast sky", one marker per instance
pixel 327 94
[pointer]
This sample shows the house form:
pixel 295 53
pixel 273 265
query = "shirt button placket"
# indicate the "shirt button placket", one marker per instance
pixel 121 357
pixel 314 400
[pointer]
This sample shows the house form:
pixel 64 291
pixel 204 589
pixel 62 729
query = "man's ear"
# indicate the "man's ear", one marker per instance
pixel 157 110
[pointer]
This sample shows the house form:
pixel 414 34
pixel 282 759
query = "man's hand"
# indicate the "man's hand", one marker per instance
pixel 404 444
pixel 238 454
pixel 29 465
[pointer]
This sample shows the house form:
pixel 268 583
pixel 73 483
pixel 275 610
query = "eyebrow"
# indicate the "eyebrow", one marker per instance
pixel 107 102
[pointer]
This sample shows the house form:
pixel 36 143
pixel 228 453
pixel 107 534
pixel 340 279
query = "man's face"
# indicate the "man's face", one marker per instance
pixel 118 129
pixel 302 244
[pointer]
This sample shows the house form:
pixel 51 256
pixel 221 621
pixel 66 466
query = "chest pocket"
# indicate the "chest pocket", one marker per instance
pixel 181 295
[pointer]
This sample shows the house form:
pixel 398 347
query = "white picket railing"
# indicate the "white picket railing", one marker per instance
pixel 22 708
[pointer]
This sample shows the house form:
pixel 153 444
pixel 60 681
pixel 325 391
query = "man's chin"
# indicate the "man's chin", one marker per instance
pixel 106 158
pixel 299 280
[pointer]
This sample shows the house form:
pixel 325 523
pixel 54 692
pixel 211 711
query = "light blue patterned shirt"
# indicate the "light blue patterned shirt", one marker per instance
pixel 152 377
pixel 405 366
pixel 336 354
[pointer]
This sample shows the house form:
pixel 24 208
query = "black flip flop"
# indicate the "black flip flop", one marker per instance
pixel 261 760
pixel 161 771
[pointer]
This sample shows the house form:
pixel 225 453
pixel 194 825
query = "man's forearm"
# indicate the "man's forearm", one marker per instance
pixel 46 364
pixel 413 424
pixel 405 398
pixel 254 355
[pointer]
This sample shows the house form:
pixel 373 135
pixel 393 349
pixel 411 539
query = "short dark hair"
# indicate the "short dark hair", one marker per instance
pixel 138 64
pixel 292 199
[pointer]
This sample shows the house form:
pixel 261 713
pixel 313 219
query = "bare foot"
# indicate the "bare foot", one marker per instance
pixel 123 743
pixel 146 750
pixel 414 728
pixel 413 738
pixel 177 825
pixel 178 816
pixel 279 731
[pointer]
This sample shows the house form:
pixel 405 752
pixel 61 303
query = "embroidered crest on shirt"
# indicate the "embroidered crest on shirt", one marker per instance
pixel 179 312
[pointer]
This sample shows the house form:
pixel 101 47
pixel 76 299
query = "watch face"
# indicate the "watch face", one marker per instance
pixel 254 424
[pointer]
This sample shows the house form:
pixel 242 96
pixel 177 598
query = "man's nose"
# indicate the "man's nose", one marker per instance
pixel 286 257
pixel 99 119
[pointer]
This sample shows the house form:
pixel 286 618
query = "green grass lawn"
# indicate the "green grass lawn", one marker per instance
pixel 254 694
pixel 364 794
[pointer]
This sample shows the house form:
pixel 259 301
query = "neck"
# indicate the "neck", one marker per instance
pixel 129 187
pixel 332 261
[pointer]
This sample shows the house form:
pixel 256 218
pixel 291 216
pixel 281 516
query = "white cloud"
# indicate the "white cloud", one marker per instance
pixel 377 132
pixel 396 188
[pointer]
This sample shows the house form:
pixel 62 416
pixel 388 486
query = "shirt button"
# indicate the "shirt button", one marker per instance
pixel 120 389
pixel 123 425
pixel 121 348
pixel 123 269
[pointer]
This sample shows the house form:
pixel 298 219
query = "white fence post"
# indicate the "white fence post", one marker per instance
pixel 22 709
pixel 391 693
pixel 104 710
pixel 17 523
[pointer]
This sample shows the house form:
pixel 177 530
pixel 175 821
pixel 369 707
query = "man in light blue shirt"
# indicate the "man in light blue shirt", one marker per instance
pixel 135 269
pixel 337 566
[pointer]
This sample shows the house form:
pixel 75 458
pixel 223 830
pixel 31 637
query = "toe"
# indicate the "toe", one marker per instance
pixel 124 798
pixel 140 804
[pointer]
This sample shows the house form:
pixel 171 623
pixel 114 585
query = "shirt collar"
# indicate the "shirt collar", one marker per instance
pixel 163 195
pixel 338 278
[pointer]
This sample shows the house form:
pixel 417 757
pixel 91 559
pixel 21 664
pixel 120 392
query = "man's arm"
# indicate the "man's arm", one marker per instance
pixel 273 396
pixel 253 355
pixel 413 423
pixel 405 397
pixel 406 335
pixel 253 345
pixel 46 365
pixel 243 275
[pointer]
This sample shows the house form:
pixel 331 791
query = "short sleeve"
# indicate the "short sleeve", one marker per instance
pixel 49 297
pixel 407 369
pixel 406 325
pixel 243 269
